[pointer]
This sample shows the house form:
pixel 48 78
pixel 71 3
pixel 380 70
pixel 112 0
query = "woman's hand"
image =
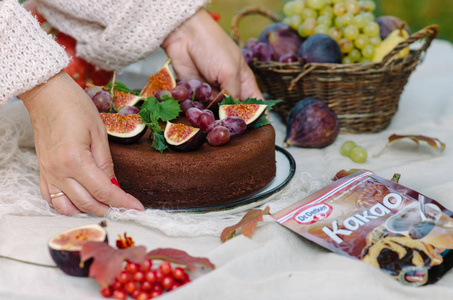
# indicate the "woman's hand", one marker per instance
pixel 72 149
pixel 200 49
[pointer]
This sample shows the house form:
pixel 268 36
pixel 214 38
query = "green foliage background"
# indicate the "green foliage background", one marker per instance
pixel 417 13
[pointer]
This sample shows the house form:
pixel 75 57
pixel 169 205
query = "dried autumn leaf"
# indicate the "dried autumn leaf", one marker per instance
pixel 179 257
pixel 433 142
pixel 343 173
pixel 247 224
pixel 108 261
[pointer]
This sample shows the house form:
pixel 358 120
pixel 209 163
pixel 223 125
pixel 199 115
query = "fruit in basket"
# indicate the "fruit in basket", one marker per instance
pixel 263 52
pixel 263 37
pixel 65 247
pixel 397 36
pixel 283 41
pixel 320 48
pixel 182 137
pixel 311 124
pixel 387 24
pixel 122 129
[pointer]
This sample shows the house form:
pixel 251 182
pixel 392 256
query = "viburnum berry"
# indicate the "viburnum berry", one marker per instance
pixel 106 291
pixel 146 286
pixel 119 295
pixel 159 275
pixel 150 276
pixel 143 296
pixel 165 267
pixel 167 282
pixel 130 286
pixel 178 273
pixel 146 265
pixel 139 276
pixel 124 277
pixel 132 267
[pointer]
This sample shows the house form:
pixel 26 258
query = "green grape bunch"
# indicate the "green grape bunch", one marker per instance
pixel 351 23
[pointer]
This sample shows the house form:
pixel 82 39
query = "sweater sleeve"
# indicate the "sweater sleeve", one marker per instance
pixel 115 33
pixel 28 55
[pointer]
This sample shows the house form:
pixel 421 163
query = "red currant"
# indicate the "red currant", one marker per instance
pixel 124 277
pixel 178 273
pixel 132 267
pixel 150 276
pixel 146 265
pixel 146 286
pixel 143 296
pixel 165 267
pixel 116 285
pixel 139 276
pixel 130 286
pixel 107 291
pixel 159 275
pixel 167 282
pixel 119 295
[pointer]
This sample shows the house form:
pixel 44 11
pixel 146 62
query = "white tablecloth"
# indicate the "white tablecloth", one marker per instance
pixel 275 263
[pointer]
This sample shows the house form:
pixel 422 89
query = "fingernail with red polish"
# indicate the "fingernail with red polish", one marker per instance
pixel 115 181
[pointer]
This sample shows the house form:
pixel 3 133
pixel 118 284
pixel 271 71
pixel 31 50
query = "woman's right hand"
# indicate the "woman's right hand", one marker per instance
pixel 72 149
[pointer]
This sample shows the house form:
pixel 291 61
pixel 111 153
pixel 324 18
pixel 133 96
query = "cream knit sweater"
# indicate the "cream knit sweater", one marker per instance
pixel 110 33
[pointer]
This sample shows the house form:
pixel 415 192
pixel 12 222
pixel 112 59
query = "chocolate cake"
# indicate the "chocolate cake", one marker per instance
pixel 208 177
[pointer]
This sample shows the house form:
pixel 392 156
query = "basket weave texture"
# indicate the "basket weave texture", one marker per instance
pixel 364 96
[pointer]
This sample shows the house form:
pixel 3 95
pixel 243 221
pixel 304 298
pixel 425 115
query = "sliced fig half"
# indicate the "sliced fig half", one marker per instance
pixel 123 129
pixel 162 80
pixel 122 99
pixel 181 137
pixel 250 113
pixel 65 247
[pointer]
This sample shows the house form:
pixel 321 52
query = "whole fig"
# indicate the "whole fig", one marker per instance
pixel 272 27
pixel 389 23
pixel 284 40
pixel 320 48
pixel 311 124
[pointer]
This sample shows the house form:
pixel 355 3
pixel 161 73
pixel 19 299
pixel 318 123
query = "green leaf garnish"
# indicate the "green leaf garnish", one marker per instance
pixel 153 111
pixel 121 87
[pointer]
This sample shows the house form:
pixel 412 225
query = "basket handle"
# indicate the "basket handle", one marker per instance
pixel 429 32
pixel 250 10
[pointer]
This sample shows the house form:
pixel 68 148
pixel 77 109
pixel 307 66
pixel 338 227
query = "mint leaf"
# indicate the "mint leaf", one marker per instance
pixel 121 87
pixel 153 111
pixel 159 142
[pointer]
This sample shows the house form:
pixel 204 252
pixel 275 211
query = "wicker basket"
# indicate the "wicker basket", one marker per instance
pixel 364 96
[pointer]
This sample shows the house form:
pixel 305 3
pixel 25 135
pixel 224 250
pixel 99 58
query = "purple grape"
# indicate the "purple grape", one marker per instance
pixel 194 83
pixel 180 93
pixel 206 120
pixel 251 42
pixel 235 125
pixel 162 95
pixel 103 101
pixel 248 55
pixel 129 110
pixel 192 115
pixel 188 87
pixel 218 136
pixel 198 104
pixel 92 90
pixel 186 104
pixel 203 92
pixel 288 57
pixel 263 52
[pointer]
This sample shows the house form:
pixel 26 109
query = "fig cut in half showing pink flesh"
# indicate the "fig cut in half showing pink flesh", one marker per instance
pixel 181 137
pixel 123 129
pixel 65 247
pixel 250 113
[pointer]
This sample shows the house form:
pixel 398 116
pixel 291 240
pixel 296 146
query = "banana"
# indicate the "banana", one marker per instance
pixel 390 42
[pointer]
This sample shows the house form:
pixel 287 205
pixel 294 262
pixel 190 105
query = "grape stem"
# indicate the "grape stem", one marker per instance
pixel 112 88
pixel 28 262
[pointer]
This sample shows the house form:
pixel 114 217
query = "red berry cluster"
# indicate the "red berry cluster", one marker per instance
pixel 142 282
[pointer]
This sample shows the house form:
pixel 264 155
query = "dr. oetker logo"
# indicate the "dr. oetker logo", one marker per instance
pixel 313 213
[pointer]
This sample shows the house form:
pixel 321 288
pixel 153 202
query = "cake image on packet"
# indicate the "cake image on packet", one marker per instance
pixel 380 222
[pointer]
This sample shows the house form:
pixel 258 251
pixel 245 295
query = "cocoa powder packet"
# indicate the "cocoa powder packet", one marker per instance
pixel 379 222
